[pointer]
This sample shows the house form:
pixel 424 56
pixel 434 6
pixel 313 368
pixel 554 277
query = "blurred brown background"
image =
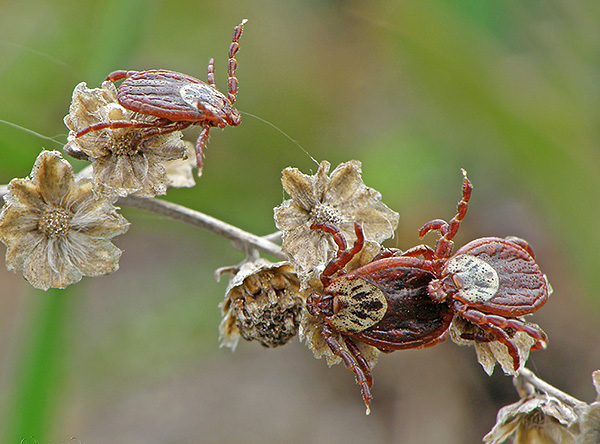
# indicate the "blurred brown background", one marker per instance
pixel 415 90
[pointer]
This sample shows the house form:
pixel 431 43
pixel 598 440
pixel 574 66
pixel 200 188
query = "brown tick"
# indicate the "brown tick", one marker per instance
pixel 490 281
pixel 177 100
pixel 384 303
pixel 407 300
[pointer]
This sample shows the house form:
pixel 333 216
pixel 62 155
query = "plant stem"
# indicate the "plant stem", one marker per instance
pixel 242 239
pixel 540 385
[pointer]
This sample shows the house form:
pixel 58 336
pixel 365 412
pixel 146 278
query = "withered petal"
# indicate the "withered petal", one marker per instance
pixel 17 220
pixel 94 257
pixel 300 187
pixel 344 183
pixel 53 175
pixel 25 194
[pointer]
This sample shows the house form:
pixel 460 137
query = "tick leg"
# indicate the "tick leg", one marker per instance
pixel 148 129
pixel 444 245
pixel 387 252
pixel 360 359
pixel 201 144
pixel 232 64
pixel 118 75
pixel 115 124
pixel 344 255
pixel 211 73
pixel 463 204
pixel 338 237
pixel 420 250
pixel 487 323
pixel 532 330
pixel 351 362
pixel 158 130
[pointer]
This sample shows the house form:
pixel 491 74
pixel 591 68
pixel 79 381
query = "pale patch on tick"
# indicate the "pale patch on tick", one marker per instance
pixel 195 94
pixel 357 306
pixel 476 280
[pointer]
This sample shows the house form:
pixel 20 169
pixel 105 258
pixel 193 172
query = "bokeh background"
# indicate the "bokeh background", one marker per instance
pixel 415 90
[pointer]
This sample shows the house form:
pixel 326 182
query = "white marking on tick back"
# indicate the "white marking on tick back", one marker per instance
pixel 199 93
pixel 476 280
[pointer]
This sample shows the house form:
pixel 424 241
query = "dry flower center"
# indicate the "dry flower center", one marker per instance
pixel 125 145
pixel 325 213
pixel 55 222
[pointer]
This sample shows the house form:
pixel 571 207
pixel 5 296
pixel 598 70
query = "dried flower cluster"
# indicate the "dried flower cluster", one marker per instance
pixel 340 198
pixel 58 227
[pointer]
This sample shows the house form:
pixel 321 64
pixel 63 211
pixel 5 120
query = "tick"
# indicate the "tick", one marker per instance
pixel 177 100
pixel 490 282
pixel 384 303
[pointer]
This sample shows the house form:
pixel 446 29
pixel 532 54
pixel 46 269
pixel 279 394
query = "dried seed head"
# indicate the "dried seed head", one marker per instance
pixel 490 351
pixel 54 227
pixel 124 160
pixel 340 198
pixel 55 222
pixel 540 419
pixel 261 303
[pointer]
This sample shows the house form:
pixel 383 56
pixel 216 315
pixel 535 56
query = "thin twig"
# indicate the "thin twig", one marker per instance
pixel 542 386
pixel 201 220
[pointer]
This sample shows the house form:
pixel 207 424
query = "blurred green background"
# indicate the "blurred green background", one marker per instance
pixel 415 90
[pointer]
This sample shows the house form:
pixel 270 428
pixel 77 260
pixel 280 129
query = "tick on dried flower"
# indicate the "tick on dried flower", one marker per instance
pixel 340 198
pixel 124 162
pixel 55 229
pixel 261 303
pixel 383 304
pixel 490 282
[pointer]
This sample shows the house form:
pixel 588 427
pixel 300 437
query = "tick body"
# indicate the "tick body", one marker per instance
pixel 384 303
pixel 176 100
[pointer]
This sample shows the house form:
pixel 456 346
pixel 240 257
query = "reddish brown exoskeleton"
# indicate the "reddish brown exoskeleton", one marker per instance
pixel 408 300
pixel 384 303
pixel 177 100
pixel 490 282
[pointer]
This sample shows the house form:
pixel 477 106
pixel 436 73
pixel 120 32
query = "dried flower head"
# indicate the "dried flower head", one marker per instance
pixel 124 162
pixel 261 303
pixel 538 417
pixel 54 227
pixel 340 198
pixel 489 350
